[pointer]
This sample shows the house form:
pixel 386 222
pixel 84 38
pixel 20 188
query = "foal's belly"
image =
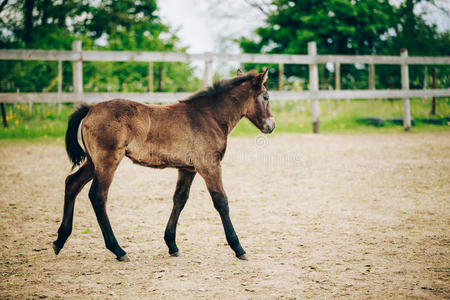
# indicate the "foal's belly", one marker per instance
pixel 148 161
pixel 157 159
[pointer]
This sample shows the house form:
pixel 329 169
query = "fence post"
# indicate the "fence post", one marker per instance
pixel 77 72
pixel 371 76
pixel 150 77
pixel 160 74
pixel 433 101
pixel 314 85
pixel 208 78
pixel 280 76
pixel 59 84
pixel 337 76
pixel 405 87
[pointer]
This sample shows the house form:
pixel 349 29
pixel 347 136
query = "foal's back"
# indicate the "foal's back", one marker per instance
pixel 150 135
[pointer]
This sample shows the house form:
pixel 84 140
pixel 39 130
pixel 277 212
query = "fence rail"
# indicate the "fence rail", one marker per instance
pixel 77 56
pixel 146 56
pixel 173 97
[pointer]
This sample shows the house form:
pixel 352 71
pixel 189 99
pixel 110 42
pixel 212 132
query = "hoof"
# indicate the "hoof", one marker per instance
pixel 175 254
pixel 243 257
pixel 56 248
pixel 124 258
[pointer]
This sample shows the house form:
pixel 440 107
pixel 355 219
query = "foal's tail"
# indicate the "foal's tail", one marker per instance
pixel 74 150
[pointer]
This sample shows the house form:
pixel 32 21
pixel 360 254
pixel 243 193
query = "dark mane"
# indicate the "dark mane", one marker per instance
pixel 220 87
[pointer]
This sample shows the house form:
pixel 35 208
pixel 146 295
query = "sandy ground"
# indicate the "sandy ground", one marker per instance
pixel 319 216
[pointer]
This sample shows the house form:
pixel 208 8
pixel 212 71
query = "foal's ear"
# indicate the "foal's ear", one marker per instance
pixel 261 78
pixel 265 75
pixel 239 72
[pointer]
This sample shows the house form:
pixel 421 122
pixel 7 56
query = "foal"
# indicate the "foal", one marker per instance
pixel 190 135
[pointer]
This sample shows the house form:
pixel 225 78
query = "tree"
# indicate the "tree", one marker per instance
pixel 415 34
pixel 102 25
pixel 337 26
pixel 412 32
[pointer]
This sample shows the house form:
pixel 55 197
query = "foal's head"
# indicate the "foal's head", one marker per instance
pixel 258 108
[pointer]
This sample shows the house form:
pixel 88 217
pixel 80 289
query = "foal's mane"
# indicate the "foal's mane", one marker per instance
pixel 220 87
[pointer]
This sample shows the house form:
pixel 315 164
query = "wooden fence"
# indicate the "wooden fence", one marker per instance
pixel 77 56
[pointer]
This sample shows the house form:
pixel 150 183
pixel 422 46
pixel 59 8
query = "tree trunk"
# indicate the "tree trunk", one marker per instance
pixel 5 122
pixel 28 7
pixel 45 7
pixel 2 105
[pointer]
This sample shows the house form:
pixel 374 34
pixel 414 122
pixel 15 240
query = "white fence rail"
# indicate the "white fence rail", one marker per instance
pixel 145 56
pixel 173 97
pixel 77 56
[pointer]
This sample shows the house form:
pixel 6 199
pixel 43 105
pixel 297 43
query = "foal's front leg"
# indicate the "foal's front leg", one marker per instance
pixel 180 197
pixel 213 179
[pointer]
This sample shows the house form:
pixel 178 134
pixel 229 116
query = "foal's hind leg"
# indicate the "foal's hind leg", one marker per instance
pixel 104 172
pixel 180 197
pixel 74 183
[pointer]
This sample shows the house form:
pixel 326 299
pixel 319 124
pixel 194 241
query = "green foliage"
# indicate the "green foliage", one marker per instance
pixel 101 25
pixel 337 26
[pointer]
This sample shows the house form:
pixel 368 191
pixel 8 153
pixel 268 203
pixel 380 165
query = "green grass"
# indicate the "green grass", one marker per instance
pixel 36 121
pixel 45 122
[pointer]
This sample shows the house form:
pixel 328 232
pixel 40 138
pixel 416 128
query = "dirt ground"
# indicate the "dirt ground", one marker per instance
pixel 321 216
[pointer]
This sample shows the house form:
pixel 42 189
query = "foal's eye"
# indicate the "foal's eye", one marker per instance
pixel 266 96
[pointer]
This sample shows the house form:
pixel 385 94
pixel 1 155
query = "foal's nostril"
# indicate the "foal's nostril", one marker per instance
pixel 269 125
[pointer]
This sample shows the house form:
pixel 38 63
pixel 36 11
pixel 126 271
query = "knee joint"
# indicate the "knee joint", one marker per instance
pixel 95 193
pixel 179 199
pixel 181 194
pixel 70 180
pixel 220 202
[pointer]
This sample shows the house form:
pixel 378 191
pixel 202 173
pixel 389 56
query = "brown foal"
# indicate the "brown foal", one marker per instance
pixel 190 135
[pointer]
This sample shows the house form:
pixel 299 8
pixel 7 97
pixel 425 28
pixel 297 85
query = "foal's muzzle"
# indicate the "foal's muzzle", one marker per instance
pixel 268 125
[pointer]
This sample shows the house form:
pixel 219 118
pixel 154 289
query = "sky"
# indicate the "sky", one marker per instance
pixel 211 25
pixel 186 18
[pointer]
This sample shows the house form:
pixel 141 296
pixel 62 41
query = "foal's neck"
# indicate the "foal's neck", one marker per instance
pixel 228 110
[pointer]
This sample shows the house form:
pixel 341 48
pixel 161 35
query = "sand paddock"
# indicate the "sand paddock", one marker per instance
pixel 320 216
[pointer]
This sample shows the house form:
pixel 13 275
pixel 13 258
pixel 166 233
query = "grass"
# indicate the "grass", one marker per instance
pixel 41 121
pixel 46 122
